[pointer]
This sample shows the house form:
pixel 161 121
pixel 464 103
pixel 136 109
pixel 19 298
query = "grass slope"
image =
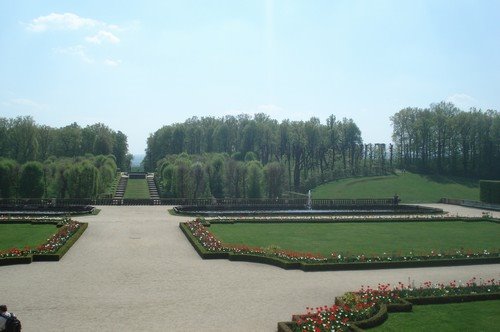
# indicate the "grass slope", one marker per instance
pixel 471 316
pixel 137 188
pixel 22 235
pixel 411 188
pixel 363 238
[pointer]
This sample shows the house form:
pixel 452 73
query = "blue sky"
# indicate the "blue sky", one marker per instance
pixel 138 65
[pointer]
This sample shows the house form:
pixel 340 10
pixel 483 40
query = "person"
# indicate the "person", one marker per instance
pixel 5 316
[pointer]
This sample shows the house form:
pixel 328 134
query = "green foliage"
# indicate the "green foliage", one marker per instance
pixel 444 140
pixel 255 176
pixel 308 150
pixel 31 180
pixel 411 188
pixel 274 179
pixel 8 177
pixel 181 178
pixel 215 174
pixel 83 180
pixel 489 191
pixel 23 140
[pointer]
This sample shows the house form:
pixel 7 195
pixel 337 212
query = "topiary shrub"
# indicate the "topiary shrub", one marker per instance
pixel 489 191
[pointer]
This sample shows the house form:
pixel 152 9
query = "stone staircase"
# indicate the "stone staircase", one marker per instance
pixel 153 191
pixel 121 187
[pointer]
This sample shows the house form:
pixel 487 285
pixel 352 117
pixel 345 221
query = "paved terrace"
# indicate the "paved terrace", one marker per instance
pixel 133 270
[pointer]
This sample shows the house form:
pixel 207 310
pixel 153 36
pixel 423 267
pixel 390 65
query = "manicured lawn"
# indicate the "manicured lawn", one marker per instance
pixel 363 238
pixel 411 188
pixel 471 316
pixel 137 188
pixel 22 235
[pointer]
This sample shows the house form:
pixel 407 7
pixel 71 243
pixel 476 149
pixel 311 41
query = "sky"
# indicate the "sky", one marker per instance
pixel 138 65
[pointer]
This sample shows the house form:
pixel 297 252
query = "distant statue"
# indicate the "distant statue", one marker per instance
pixel 395 199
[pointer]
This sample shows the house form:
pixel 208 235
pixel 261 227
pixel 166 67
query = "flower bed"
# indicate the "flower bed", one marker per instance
pixel 368 306
pixel 52 250
pixel 209 246
pixel 212 245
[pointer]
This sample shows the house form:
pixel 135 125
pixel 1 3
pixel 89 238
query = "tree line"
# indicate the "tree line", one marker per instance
pixel 22 140
pixel 229 156
pixel 79 177
pixel 442 139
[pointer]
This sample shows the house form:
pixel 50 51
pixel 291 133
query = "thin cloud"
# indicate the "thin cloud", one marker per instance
pixel 462 100
pixel 103 36
pixel 77 51
pixel 66 21
pixel 112 63
pixel 97 33
pixel 23 103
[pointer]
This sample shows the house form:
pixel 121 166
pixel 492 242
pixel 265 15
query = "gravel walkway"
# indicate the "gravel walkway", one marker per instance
pixel 133 270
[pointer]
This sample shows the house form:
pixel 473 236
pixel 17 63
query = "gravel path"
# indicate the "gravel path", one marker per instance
pixel 133 270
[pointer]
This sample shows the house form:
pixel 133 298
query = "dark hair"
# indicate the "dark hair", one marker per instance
pixel 3 307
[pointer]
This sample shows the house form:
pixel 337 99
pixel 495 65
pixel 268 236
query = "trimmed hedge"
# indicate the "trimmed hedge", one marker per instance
pixel 489 191
pixel 326 220
pixel 16 260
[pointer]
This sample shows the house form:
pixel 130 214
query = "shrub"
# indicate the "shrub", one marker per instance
pixel 489 191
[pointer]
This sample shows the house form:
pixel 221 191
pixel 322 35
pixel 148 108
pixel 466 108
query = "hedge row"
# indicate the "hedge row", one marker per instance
pixel 489 191
pixel 208 222
pixel 47 257
pixel 288 265
pixel 405 306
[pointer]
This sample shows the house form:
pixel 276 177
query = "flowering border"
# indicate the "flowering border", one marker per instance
pixel 52 250
pixel 368 307
pixel 209 247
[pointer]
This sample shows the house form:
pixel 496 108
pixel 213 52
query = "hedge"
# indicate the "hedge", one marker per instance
pixel 489 191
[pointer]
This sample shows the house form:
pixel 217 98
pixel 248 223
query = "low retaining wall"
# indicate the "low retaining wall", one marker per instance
pixel 472 204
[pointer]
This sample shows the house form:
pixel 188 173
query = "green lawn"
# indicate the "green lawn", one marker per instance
pixel 472 316
pixel 411 188
pixel 137 188
pixel 22 235
pixel 363 238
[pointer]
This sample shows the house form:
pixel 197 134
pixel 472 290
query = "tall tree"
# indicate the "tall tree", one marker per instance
pixel 31 180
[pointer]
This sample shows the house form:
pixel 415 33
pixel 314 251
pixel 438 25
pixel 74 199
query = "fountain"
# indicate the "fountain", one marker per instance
pixel 309 201
pixel 302 206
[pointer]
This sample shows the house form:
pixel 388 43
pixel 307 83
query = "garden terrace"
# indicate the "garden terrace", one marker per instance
pixel 300 207
pixel 42 207
pixel 373 244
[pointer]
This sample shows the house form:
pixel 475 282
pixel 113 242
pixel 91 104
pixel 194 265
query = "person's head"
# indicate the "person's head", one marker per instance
pixel 3 308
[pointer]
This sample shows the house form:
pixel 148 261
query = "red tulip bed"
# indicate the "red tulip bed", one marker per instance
pixel 368 307
pixel 52 250
pixel 209 246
